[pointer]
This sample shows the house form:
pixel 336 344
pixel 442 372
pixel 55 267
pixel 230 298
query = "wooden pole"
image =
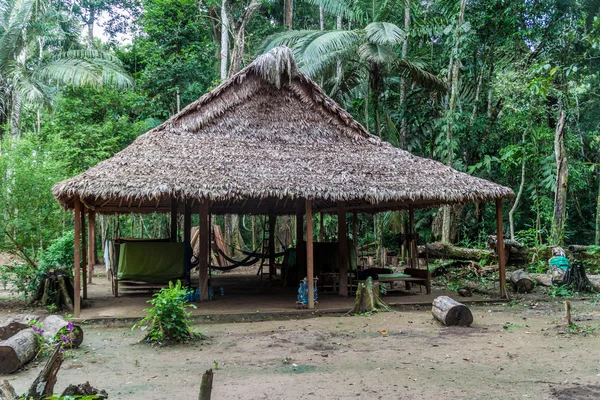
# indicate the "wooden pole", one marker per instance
pixel 91 251
pixel 342 248
pixel 413 246
pixel 354 235
pixel 500 249
pixel 272 222
pixel 77 260
pixel 309 255
pixel 187 237
pixel 83 252
pixel 321 227
pixel 203 251
pixel 173 219
pixel 300 249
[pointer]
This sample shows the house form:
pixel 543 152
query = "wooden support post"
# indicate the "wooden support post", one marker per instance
pixel 173 219
pixel 321 237
pixel 354 236
pixel 342 248
pixel 77 260
pixel 500 249
pixel 272 222
pixel 91 250
pixel 203 251
pixel 83 252
pixel 309 255
pixel 412 251
pixel 300 248
pixel 187 237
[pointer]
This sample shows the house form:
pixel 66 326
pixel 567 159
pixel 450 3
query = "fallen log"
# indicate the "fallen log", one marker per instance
pixel 43 386
pixel 521 281
pixel 18 350
pixel 450 252
pixel 12 325
pixel 7 392
pixel 450 312
pixel 55 325
pixel 542 279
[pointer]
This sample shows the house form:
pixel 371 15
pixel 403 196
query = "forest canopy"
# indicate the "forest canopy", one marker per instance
pixel 506 90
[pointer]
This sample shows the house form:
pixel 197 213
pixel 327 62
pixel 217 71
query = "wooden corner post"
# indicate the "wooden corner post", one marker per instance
pixel 309 255
pixel 203 250
pixel 173 219
pixel 500 249
pixel 342 248
pixel 77 260
pixel 272 222
pixel 300 249
pixel 91 250
pixel 412 251
pixel 83 254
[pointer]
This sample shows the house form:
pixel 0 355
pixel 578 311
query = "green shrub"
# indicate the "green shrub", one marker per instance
pixel 60 253
pixel 168 320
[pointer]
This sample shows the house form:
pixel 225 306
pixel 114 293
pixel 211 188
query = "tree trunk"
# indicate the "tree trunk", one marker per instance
pixel 288 14
pixel 90 27
pixel 321 18
pixel 15 115
pixel 239 45
pixel 43 386
pixel 17 350
pixel 403 123
pixel 522 282
pixel 13 325
pixel 450 312
pixel 224 39
pixel 562 176
pixel 206 385
pixel 597 238
pixel 511 213
pixel 477 94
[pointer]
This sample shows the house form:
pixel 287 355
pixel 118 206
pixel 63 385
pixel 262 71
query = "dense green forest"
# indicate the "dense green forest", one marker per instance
pixel 507 90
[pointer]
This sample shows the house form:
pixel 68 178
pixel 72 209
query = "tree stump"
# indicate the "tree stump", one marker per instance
pixel 521 281
pixel 53 324
pixel 18 350
pixel 206 385
pixel 12 325
pixel 450 312
pixel 368 298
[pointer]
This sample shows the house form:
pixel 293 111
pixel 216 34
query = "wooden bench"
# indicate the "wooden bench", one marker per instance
pixel 417 276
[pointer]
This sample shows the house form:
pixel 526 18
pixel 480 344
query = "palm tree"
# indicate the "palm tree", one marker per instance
pixel 367 53
pixel 39 52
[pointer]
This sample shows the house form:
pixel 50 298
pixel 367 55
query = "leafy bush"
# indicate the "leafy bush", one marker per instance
pixel 26 280
pixel 168 320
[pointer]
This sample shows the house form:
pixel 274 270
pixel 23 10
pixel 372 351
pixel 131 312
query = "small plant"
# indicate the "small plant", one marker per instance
pixel 561 291
pixel 66 337
pixel 168 320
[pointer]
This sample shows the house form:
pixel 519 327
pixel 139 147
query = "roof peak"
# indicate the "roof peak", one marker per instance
pixel 276 64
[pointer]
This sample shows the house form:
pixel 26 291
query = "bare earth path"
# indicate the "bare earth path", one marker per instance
pixel 511 352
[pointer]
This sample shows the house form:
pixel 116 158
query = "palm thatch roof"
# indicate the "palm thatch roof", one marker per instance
pixel 264 139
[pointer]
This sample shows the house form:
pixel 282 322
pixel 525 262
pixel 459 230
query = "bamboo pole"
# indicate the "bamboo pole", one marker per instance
pixel 309 255
pixel 91 251
pixel 342 248
pixel 77 260
pixel 300 250
pixel 500 249
pixel 203 251
pixel 413 245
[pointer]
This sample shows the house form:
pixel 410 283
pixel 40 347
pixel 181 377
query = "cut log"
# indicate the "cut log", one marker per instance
pixel 595 282
pixel 18 350
pixel 43 386
pixel 450 312
pixel 53 324
pixel 206 385
pixel 11 326
pixel 7 391
pixel 450 252
pixel 542 279
pixel 84 390
pixel 521 281
pixel 368 298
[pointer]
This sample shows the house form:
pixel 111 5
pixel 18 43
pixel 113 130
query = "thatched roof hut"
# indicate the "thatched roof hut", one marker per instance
pixel 261 140
pixel 266 141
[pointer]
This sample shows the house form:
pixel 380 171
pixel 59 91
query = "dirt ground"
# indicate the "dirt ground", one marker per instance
pixel 512 351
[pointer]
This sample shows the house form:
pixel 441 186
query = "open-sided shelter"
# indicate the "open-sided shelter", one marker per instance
pixel 267 141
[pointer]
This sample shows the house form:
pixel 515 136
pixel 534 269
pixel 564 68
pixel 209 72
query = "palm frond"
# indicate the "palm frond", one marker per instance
pixel 375 53
pixel 351 10
pixel 324 43
pixel 286 38
pixel 420 76
pixel 384 33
